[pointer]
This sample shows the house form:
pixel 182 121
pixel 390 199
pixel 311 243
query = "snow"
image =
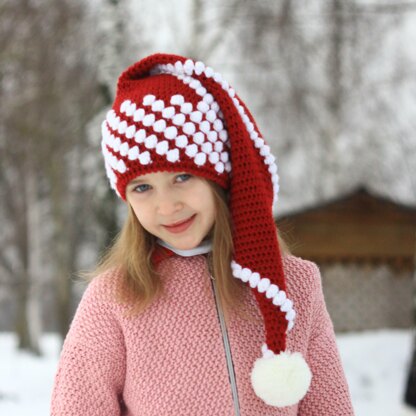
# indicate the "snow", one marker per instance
pixel 375 364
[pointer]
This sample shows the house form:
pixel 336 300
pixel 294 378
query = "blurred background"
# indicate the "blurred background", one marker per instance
pixel 332 85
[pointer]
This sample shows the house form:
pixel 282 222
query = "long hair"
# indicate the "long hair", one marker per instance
pixel 140 282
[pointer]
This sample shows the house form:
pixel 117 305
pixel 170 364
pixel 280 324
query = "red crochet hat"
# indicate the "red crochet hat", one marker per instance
pixel 171 113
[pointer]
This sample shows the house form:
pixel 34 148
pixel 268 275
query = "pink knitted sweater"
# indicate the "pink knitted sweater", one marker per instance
pixel 171 360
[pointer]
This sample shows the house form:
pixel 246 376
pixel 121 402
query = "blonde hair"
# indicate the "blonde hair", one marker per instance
pixel 131 254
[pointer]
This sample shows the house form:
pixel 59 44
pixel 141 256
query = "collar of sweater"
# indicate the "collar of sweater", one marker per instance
pixel 164 250
pixel 203 248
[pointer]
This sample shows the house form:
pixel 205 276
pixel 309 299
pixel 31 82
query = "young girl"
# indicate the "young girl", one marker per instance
pixel 198 308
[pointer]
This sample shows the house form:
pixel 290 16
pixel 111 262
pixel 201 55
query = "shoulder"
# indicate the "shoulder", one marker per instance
pixel 303 277
pixel 103 288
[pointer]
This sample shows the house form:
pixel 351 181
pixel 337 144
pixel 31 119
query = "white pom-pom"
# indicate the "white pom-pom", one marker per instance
pixel 281 380
pixel 191 150
pixel 259 142
pixel 265 150
pixel 140 136
pixel 199 137
pixel 177 99
pixel 122 127
pixel 195 84
pixel 130 131
pixel 200 159
pixel 218 126
pixel 208 98
pixel 211 116
pixel 196 116
pixel 223 135
pixel 162 147
pixel 218 146
pixel 224 157
pixel 150 141
pixel 254 280
pixel 219 167
pixel 290 316
pixel 205 126
pixel 117 144
pixel 171 132
pixel 133 153
pixel 159 126
pixel 173 155
pixel 202 106
pixel 272 169
pixel 214 157
pixel 181 141
pixel 144 158
pixel 168 112
pixel 286 306
pixel 199 67
pixel 138 115
pixel 213 137
pixel 124 105
pixel 186 108
pixel 279 299
pixel 149 99
pixel 158 105
pixel 207 147
pixel 201 91
pixel 272 291
pixel 245 274
pixel 130 109
pixel 209 72
pixel 217 77
pixel 179 119
pixel 189 128
pixel 179 67
pixel 148 120
pixel 263 284
pixel 124 149
pixel 188 66
pixel 121 167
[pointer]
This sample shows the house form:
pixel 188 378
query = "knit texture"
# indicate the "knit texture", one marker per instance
pixel 171 359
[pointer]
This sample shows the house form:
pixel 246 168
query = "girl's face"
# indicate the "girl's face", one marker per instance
pixel 163 199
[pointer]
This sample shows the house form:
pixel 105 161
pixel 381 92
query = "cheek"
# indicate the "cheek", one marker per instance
pixel 141 214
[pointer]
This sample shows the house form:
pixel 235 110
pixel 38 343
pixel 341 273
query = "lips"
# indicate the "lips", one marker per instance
pixel 180 226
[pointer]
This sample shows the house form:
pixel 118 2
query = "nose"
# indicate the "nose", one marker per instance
pixel 168 203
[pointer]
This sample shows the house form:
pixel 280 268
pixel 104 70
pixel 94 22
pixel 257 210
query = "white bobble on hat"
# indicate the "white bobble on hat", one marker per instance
pixel 173 155
pixel 200 158
pixel 149 99
pixel 177 100
pixel 168 112
pixel 281 380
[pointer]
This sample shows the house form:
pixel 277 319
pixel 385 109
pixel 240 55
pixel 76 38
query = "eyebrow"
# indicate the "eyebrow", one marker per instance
pixel 137 180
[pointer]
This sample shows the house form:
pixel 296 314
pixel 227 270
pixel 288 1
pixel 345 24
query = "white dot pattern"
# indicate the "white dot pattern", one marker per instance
pixel 201 123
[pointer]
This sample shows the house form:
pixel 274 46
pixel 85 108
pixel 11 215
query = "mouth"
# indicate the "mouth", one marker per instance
pixel 181 225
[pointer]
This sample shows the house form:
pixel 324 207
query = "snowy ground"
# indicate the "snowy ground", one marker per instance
pixel 375 364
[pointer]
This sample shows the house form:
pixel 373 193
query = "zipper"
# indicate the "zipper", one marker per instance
pixel 230 365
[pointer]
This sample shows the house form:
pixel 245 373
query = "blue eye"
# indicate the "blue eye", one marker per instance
pixel 186 176
pixel 139 188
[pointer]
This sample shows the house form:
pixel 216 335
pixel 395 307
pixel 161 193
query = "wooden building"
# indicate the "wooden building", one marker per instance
pixel 365 247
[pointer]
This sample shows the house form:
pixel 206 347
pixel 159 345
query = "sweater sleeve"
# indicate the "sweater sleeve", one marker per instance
pixel 328 393
pixel 91 370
